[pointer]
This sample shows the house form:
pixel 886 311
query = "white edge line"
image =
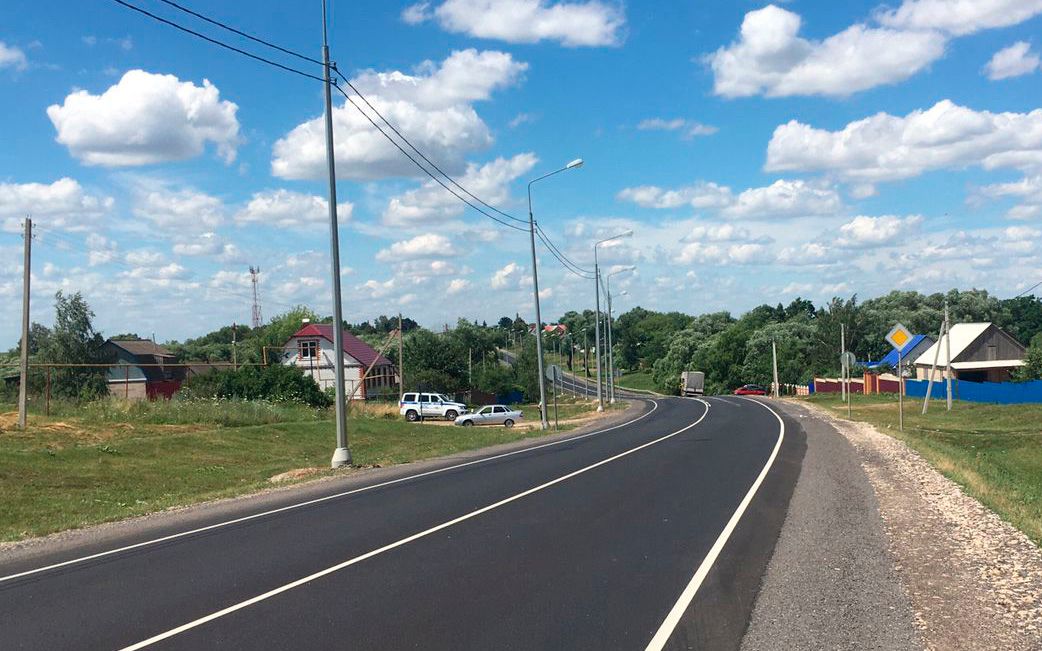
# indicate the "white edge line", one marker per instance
pixel 687 596
pixel 318 500
pixel 404 541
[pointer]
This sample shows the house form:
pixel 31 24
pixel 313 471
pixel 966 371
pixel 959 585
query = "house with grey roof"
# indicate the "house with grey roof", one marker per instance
pixel 980 352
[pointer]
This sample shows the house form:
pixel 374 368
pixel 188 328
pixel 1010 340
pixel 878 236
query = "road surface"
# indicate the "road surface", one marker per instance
pixel 650 534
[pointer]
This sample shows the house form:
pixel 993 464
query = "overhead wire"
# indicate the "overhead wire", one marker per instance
pixel 568 264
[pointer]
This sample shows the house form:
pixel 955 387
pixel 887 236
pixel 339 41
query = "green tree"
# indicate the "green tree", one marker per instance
pixel 1032 368
pixel 74 341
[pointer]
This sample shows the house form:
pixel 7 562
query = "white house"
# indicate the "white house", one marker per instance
pixel 981 352
pixel 311 350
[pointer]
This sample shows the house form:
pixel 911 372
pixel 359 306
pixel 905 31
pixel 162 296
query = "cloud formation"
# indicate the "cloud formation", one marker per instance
pixel 287 209
pixel 144 119
pixel 885 147
pixel 1013 61
pixel 432 107
pixel 572 24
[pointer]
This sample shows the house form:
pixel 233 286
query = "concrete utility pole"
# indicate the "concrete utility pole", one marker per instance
pixel 401 360
pixel 948 351
pixel 843 361
pixel 933 367
pixel 774 365
pixel 342 454
pixel 23 379
pixel 235 359
pixel 597 292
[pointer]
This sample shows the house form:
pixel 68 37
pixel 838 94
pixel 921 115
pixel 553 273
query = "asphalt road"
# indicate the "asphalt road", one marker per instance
pixel 653 534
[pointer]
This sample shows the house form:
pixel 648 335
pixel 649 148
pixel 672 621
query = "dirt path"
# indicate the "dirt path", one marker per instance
pixel 975 581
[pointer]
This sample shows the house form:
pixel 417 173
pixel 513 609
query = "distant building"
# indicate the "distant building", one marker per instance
pixel 141 370
pixel 981 352
pixel 311 350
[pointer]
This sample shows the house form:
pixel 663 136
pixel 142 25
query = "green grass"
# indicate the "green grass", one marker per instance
pixel 113 461
pixel 993 451
pixel 637 380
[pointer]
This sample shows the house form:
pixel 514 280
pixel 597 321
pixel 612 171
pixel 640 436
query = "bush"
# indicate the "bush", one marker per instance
pixel 275 383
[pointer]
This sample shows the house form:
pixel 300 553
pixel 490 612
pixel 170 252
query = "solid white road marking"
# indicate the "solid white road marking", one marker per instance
pixel 680 607
pixel 318 500
pixel 404 541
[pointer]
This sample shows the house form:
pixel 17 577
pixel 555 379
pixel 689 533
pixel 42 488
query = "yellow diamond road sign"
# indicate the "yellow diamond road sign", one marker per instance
pixel 898 336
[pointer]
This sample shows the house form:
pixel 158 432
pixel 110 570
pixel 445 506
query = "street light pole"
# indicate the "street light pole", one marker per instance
pixel 342 454
pixel 611 350
pixel 597 292
pixel 544 423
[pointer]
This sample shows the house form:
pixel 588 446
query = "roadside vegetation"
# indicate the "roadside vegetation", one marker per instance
pixel 112 459
pixel 640 380
pixel 993 451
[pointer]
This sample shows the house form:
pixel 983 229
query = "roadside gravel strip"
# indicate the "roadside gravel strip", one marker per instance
pixel 973 581
pixel 831 582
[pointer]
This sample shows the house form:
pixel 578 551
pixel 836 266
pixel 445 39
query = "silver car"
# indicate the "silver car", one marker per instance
pixel 491 415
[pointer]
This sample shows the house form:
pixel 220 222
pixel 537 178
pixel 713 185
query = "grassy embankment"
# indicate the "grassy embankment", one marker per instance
pixel 111 460
pixel 993 451
pixel 637 380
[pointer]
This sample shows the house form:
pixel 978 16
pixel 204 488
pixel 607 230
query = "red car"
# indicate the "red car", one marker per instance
pixel 750 390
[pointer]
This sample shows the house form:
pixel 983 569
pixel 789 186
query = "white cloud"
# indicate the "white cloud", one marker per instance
pixel 736 254
pixel 428 245
pixel 101 250
pixel 521 118
pixel 511 274
pixel 178 211
pixel 783 198
pixel 723 233
pixel 431 203
pixel 573 24
pixel 959 17
pixel 1013 61
pixel 1028 190
pixel 209 244
pixel 287 209
pixel 699 195
pixel 146 118
pixel 885 147
pixel 144 258
pixel 63 204
pixel 687 128
pixel 432 107
pixel 458 286
pixel 869 232
pixel 770 58
pixel 12 57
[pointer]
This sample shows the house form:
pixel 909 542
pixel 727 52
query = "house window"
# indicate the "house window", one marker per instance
pixel 308 350
pixel 993 352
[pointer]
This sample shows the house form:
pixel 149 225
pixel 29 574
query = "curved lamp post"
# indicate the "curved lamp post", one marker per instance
pixel 575 164
pixel 597 290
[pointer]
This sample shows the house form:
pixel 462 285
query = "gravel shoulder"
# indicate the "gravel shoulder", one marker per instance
pixel 831 583
pixel 973 580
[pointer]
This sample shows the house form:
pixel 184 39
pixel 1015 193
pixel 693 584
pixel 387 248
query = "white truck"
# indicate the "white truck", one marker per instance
pixel 692 383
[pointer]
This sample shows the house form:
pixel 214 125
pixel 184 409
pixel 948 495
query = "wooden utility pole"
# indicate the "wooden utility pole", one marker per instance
pixel 948 352
pixel 401 360
pixel 23 384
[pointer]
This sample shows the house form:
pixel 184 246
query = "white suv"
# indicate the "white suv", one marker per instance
pixel 432 405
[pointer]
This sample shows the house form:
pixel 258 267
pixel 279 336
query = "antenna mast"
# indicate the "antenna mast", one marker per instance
pixel 257 319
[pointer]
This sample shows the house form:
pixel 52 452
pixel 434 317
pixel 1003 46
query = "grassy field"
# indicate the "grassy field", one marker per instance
pixel 637 380
pixel 112 461
pixel 993 451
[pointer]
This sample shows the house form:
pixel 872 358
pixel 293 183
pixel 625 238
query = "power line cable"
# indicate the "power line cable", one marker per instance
pixel 1028 290
pixel 421 154
pixel 421 167
pixel 560 254
pixel 578 271
pixel 242 33
pixel 310 76
pixel 216 42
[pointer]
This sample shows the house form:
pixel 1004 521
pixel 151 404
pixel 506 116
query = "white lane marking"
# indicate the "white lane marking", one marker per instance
pixel 404 541
pixel 680 607
pixel 318 500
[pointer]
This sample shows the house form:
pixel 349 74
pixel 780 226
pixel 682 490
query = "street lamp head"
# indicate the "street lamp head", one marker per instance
pixel 578 162
pixel 627 233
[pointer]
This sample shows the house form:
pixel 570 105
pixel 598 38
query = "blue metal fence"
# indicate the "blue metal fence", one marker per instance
pixel 1005 393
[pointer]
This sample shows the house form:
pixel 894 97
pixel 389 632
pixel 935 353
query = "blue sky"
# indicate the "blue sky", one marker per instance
pixel 759 152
